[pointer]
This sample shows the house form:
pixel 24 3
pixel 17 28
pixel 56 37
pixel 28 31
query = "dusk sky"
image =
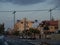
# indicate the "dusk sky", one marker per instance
pixel 18 5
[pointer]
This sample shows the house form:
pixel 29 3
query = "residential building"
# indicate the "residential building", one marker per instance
pixel 49 26
pixel 23 24
pixel 59 25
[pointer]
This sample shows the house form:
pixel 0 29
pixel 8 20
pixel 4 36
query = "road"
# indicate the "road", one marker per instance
pixel 13 41
pixel 16 41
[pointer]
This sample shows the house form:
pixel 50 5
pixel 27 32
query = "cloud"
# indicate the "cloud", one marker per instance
pixel 56 2
pixel 23 2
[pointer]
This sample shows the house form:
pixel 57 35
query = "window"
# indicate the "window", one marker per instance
pixel 21 22
pixel 51 27
pixel 46 28
pixel 56 27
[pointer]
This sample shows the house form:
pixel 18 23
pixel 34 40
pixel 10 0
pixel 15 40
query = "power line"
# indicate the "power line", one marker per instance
pixel 28 10
pixel 25 10
pixel 6 11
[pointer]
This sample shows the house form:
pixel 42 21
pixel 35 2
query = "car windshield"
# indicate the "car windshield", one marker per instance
pixel 29 22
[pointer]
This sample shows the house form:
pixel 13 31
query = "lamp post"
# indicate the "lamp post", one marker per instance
pixel 14 17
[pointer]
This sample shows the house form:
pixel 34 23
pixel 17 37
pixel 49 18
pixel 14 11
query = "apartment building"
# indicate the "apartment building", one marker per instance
pixel 23 24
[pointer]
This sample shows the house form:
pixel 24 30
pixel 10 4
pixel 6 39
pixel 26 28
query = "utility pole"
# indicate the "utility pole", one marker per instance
pixel 24 23
pixel 14 17
pixel 51 12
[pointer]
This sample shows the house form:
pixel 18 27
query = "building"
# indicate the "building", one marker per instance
pixel 48 26
pixel 52 25
pixel 23 24
pixel 59 25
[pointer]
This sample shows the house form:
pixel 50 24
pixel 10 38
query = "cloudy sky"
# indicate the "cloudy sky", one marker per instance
pixel 18 5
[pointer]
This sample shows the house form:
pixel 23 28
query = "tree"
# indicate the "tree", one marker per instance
pixel 58 31
pixel 34 31
pixel 46 28
pixel 26 33
pixel 6 33
pixel 2 28
pixel 16 33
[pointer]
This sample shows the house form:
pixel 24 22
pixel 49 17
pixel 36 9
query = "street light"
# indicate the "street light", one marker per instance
pixel 51 12
pixel 14 16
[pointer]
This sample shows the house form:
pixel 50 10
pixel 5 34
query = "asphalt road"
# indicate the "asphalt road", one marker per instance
pixel 16 41
pixel 11 42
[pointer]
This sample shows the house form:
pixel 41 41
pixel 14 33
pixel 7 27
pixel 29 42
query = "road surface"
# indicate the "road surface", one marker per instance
pixel 16 41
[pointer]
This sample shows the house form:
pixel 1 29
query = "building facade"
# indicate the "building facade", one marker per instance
pixel 59 25
pixel 49 26
pixel 23 24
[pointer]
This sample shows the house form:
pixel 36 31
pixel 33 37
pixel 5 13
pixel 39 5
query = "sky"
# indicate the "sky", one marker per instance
pixel 18 5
